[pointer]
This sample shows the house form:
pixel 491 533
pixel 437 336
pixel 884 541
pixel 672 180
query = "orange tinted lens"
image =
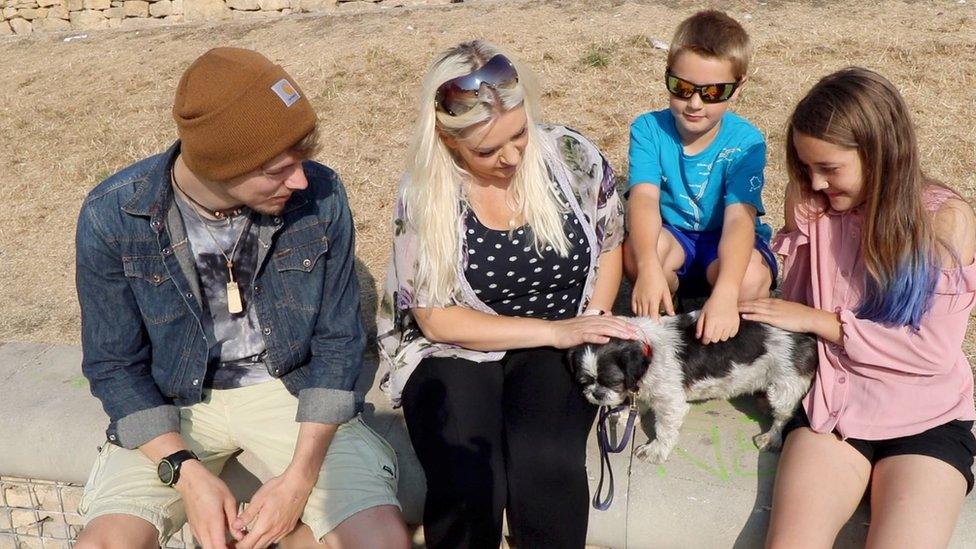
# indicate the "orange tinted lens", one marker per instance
pixel 679 87
pixel 712 92
pixel 717 92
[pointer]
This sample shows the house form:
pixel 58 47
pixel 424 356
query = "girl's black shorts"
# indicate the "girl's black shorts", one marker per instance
pixel 951 442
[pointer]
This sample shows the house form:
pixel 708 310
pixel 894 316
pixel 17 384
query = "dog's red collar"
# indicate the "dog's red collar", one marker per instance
pixel 646 347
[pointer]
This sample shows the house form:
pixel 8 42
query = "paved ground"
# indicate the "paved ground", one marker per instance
pixel 713 492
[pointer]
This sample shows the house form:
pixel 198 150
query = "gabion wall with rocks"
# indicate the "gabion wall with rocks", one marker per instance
pixel 28 16
pixel 43 515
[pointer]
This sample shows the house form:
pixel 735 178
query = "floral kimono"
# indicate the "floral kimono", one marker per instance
pixel 585 180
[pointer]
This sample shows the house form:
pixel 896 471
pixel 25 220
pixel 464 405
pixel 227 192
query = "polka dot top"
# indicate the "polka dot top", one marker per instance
pixel 510 277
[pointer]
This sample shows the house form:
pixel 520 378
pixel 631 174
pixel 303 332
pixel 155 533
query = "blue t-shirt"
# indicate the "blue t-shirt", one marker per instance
pixel 695 189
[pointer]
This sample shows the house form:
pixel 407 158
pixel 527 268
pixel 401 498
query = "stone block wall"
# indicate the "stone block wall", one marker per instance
pixel 28 16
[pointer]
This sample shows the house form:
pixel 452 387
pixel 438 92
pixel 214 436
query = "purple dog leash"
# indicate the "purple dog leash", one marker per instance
pixel 603 439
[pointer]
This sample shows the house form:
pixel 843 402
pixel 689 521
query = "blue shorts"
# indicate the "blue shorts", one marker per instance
pixel 701 249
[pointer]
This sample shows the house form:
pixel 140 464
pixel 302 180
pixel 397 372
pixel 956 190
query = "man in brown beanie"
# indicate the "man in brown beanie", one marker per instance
pixel 220 312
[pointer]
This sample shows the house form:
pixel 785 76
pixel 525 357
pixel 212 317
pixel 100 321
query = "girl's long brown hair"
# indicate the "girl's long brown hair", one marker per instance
pixel 860 109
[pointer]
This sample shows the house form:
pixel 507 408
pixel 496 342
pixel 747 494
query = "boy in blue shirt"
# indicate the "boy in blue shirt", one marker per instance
pixel 696 178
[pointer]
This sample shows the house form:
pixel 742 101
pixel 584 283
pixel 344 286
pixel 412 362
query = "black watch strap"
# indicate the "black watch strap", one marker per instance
pixel 169 467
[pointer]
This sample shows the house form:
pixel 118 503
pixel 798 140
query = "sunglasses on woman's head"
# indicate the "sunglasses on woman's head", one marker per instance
pixel 709 93
pixel 454 96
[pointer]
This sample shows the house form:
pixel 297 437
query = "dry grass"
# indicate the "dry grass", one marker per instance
pixel 73 113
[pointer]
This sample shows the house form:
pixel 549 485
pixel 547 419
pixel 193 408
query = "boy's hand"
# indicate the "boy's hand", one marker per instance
pixel 651 293
pixel 719 319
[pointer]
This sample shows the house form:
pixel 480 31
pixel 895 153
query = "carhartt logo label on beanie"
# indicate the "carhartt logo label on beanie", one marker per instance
pixel 229 123
pixel 286 92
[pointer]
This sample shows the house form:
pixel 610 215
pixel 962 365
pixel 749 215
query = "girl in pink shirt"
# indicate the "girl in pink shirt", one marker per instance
pixel 879 265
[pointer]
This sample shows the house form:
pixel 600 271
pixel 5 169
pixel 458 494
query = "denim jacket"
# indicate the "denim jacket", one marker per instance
pixel 144 346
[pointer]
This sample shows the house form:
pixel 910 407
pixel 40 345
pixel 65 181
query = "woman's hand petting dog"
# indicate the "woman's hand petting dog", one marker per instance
pixel 590 329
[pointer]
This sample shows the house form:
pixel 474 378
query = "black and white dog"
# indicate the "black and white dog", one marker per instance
pixel 670 366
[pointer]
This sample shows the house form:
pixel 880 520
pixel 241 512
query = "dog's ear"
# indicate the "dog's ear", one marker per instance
pixel 634 363
pixel 571 355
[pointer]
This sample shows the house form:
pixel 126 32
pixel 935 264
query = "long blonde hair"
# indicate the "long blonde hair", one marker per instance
pixel 435 199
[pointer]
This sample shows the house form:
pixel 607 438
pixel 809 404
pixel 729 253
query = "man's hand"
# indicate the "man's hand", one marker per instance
pixel 210 507
pixel 274 511
pixel 651 293
pixel 719 319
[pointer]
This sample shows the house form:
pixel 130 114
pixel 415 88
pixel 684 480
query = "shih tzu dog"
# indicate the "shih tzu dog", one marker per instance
pixel 669 366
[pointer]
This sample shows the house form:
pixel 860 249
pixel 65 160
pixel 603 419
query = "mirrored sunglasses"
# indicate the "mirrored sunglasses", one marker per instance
pixel 709 93
pixel 455 96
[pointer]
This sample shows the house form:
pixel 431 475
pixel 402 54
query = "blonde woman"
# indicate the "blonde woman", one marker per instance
pixel 506 251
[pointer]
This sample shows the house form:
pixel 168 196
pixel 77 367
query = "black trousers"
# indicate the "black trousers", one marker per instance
pixel 508 435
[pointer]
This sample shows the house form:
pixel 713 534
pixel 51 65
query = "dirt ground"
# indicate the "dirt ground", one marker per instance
pixel 73 112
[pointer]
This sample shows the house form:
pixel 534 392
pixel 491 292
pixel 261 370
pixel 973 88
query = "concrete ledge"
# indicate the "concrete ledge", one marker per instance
pixel 714 491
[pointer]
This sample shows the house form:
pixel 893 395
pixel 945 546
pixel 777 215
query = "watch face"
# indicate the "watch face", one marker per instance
pixel 165 472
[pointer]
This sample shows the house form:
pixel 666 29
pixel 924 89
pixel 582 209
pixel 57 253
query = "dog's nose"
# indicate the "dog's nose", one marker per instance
pixel 600 393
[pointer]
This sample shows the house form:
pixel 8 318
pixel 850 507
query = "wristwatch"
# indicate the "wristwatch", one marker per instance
pixel 169 467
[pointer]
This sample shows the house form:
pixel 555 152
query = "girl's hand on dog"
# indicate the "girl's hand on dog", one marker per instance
pixel 590 329
pixel 719 319
pixel 788 315
pixel 793 317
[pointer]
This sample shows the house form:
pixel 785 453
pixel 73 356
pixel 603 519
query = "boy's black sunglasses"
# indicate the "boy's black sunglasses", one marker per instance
pixel 709 93
pixel 454 96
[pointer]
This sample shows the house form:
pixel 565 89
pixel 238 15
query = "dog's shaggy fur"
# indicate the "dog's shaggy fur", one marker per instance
pixel 671 367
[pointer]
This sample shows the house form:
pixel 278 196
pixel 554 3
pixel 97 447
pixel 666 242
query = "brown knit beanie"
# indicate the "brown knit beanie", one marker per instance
pixel 235 110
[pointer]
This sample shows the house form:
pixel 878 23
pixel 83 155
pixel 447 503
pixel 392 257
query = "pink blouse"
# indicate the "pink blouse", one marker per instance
pixel 883 382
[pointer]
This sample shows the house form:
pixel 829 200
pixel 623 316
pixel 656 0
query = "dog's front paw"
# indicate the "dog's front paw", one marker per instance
pixel 768 441
pixel 653 451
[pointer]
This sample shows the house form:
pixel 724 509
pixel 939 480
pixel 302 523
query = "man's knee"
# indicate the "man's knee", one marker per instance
pixel 390 531
pixel 117 532
pixel 380 526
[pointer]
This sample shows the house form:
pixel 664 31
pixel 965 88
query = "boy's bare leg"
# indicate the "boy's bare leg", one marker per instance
pixel 756 281
pixel 671 254
pixel 653 292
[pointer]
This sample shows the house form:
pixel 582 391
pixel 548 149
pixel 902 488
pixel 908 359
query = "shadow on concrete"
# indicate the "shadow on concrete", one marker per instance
pixel 754 407
pixel 753 533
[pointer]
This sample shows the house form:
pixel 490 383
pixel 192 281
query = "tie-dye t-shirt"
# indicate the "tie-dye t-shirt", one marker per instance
pixel 238 345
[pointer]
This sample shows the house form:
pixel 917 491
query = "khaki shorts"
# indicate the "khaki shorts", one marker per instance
pixel 359 471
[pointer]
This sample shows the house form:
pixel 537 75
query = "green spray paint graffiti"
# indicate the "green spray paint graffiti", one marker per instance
pixel 78 382
pixel 724 450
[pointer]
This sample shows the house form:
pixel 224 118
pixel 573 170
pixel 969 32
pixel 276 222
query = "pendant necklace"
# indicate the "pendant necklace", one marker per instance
pixel 219 214
pixel 234 303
